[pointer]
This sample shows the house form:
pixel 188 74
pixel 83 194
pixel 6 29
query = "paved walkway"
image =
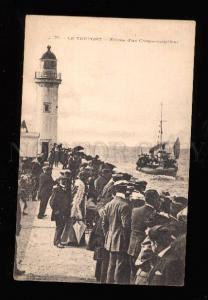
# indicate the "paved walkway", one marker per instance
pixel 44 262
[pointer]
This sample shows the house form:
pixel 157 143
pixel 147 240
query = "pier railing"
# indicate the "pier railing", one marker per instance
pixel 47 75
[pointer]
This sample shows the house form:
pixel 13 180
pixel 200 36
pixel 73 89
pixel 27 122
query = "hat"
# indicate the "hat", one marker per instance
pixel 137 196
pixel 117 176
pixel 121 183
pixel 109 166
pixel 146 243
pixel 66 174
pixel 78 148
pixel 133 179
pixel 121 186
pixel 88 168
pixel 88 157
pixel 181 201
pixel 130 187
pixel 47 168
pixel 151 195
pixel 126 176
pixel 140 184
pixel 106 170
pixel 165 193
pixel 159 233
pixel 145 255
pixel 116 171
pixel 84 164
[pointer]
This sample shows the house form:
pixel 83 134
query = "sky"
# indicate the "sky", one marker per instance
pixel 115 74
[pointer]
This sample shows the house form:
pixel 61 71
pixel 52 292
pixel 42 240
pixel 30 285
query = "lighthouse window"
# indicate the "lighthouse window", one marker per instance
pixel 46 107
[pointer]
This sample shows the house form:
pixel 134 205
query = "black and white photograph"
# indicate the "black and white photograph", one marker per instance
pixel 104 152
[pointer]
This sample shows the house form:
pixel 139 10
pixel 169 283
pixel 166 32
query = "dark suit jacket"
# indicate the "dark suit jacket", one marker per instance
pixel 45 186
pixel 139 223
pixel 60 203
pixel 168 271
pixel 116 225
pixel 36 169
pixel 107 194
pixel 99 183
pixel 108 190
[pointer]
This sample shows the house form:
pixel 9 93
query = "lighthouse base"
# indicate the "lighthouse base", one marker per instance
pixel 44 147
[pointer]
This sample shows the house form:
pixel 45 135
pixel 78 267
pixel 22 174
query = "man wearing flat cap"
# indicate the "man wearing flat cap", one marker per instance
pixel 46 183
pixel 140 186
pixel 116 227
pixel 168 270
pixel 139 223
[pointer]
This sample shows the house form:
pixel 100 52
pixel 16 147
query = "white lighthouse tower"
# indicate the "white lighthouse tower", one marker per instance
pixel 47 80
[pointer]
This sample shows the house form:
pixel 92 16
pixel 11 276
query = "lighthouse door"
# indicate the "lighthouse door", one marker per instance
pixel 45 150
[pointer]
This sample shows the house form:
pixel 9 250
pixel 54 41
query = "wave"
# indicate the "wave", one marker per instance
pixel 162 178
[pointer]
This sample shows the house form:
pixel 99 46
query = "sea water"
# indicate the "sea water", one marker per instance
pixel 125 161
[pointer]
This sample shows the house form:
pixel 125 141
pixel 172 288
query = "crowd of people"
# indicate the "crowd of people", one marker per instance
pixel 138 235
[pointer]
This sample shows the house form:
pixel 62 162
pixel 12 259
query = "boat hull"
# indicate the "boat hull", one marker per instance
pixel 159 171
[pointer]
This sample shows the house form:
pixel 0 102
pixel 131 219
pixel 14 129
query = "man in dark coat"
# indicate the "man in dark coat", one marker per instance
pixel 60 203
pixel 168 269
pixel 109 189
pixel 116 227
pixel 96 244
pixel 56 155
pixel 139 223
pixel 45 189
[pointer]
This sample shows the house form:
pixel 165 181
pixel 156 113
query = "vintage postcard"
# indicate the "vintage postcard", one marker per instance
pixel 104 150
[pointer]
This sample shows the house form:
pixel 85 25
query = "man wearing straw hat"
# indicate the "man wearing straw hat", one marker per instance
pixel 116 227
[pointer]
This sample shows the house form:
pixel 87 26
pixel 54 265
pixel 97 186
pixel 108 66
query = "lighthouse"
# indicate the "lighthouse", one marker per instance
pixel 47 83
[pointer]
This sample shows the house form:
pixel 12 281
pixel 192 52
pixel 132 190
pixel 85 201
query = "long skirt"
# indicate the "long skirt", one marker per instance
pixel 69 237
